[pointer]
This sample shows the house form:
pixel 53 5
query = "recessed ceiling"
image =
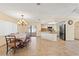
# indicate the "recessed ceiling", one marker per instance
pixel 44 11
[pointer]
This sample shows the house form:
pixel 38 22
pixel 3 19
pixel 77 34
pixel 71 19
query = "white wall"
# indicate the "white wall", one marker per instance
pixel 76 29
pixel 69 31
pixel 7 27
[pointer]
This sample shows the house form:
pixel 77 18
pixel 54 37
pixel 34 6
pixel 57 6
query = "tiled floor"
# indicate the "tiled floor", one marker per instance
pixel 42 47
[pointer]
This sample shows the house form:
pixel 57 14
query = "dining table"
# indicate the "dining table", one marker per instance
pixel 20 36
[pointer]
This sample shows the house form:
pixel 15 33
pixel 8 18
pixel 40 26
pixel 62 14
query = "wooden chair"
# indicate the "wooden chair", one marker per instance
pixel 12 43
pixel 27 40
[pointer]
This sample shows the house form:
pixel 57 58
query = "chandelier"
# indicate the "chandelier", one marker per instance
pixel 22 21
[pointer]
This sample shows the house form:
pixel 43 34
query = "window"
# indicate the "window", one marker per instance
pixel 7 27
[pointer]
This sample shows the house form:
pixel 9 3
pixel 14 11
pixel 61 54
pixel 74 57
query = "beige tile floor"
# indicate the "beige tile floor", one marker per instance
pixel 42 47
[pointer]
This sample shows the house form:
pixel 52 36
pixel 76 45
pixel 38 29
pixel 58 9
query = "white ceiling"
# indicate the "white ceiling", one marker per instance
pixel 44 11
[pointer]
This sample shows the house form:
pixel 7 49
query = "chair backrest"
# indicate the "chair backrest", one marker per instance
pixel 9 39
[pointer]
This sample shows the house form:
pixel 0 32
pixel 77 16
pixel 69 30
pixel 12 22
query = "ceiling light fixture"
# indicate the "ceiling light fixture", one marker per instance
pixel 22 21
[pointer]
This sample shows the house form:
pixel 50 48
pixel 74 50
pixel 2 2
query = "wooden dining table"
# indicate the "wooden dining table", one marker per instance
pixel 20 36
pixel 17 40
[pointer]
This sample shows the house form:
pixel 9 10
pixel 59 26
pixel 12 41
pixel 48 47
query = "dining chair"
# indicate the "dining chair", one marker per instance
pixel 11 43
pixel 27 40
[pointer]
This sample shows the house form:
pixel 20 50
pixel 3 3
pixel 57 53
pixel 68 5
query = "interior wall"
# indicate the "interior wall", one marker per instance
pixel 7 18
pixel 38 29
pixel 76 30
pixel 69 31
pixel 7 24
pixel 7 27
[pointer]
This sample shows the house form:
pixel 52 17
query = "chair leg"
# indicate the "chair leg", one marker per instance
pixel 14 50
pixel 7 51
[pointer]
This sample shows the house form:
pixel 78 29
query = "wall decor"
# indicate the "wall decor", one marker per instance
pixel 70 22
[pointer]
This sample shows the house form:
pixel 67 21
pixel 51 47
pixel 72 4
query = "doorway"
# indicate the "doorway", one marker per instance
pixel 33 30
pixel 62 32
